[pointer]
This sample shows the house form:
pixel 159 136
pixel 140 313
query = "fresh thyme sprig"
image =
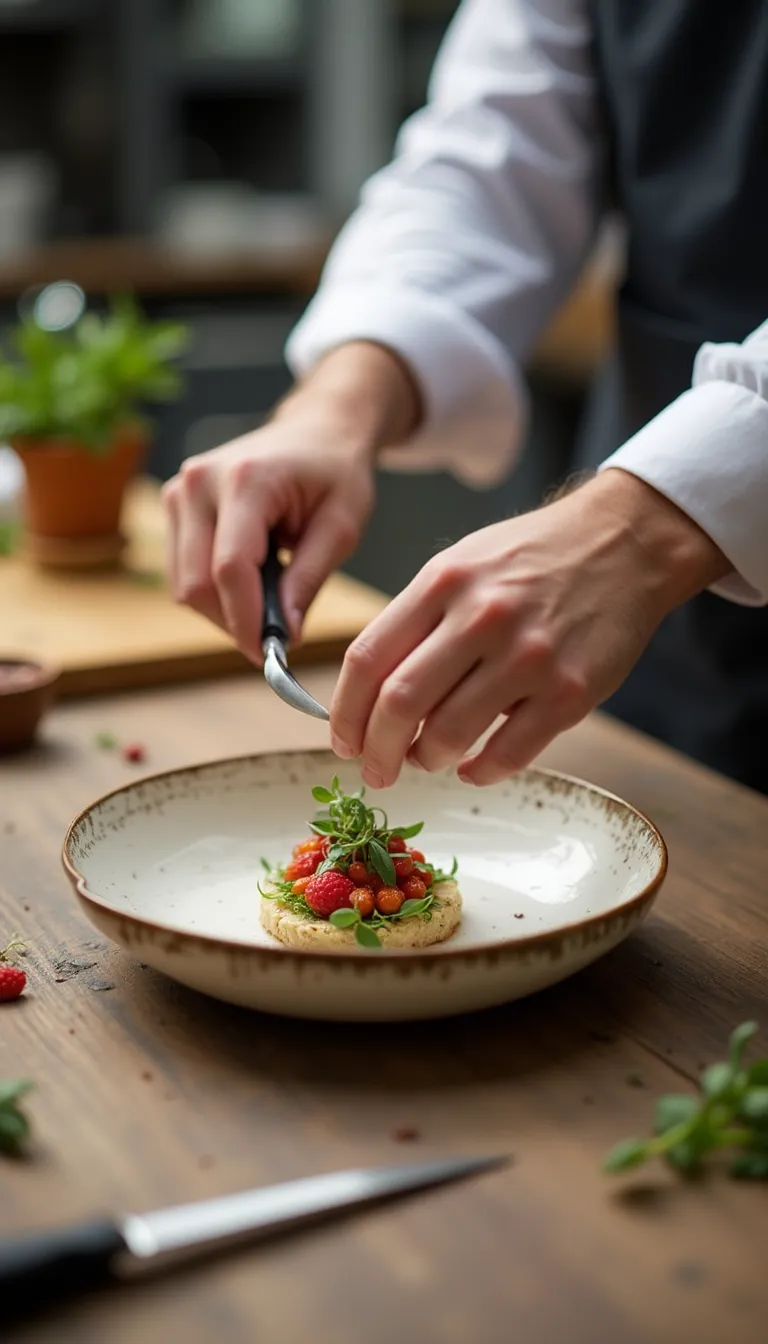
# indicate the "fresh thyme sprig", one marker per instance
pixel 14 1125
pixel 731 1112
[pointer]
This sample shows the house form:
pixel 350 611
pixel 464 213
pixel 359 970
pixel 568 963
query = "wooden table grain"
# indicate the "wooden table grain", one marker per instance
pixel 147 1093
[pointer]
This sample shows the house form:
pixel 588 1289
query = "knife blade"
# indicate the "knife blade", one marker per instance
pixel 274 641
pixel 44 1267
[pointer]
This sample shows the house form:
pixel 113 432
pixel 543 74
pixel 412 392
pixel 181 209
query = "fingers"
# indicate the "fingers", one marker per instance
pixel 407 696
pixel 531 726
pixel 452 728
pixel 375 654
pixel 329 539
pixel 189 548
pixel 239 549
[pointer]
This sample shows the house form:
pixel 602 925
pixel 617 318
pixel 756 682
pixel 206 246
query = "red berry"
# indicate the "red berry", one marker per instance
pixel 374 882
pixel 425 876
pixel 389 901
pixel 359 873
pixel 413 888
pixel 304 865
pixel 12 983
pixel 416 855
pixel 134 753
pixel 312 846
pixel 329 891
pixel 300 885
pixel 396 844
pixel 403 866
pixel 363 901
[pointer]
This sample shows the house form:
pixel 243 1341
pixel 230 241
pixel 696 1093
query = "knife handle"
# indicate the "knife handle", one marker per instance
pixel 38 1270
pixel 274 622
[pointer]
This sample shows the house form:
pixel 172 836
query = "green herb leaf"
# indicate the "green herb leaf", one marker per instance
pixel 685 1156
pixel 14 1128
pixel 322 795
pixel 266 865
pixel 323 826
pixel 750 1166
pixel 13 1089
pixel 414 907
pixel 717 1080
pixel 381 862
pixel 757 1073
pixel 753 1106
pixel 408 832
pixel 344 919
pixel 366 936
pixel 626 1155
pixel 677 1108
pixel 740 1038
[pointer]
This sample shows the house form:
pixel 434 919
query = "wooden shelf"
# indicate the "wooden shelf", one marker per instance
pixel 115 265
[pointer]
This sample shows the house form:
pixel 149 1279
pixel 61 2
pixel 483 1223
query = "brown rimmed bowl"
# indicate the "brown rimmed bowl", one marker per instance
pixel 554 873
pixel 27 689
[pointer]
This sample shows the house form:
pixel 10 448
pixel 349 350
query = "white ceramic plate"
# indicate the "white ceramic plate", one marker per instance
pixel 554 873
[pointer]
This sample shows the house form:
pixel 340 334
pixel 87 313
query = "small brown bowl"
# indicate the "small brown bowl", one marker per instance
pixel 27 689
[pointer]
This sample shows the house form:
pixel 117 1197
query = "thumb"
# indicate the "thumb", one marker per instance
pixel 330 537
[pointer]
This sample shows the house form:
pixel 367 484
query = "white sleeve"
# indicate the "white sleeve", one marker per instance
pixel 708 453
pixel 463 247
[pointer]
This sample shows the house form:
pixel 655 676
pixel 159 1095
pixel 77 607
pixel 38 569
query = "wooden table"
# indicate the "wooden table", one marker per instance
pixel 147 1093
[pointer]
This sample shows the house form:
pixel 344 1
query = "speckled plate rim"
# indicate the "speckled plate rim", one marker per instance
pixel 600 925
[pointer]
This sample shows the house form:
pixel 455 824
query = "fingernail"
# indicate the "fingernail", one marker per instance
pixel 341 749
pixel 465 776
pixel 375 781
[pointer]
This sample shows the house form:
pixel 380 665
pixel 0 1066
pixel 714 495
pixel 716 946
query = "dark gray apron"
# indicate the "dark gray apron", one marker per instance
pixel 685 91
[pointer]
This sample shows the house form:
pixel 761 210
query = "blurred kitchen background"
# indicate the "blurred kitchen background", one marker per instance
pixel 201 154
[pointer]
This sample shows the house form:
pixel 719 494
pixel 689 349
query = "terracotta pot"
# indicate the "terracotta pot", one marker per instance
pixel 74 498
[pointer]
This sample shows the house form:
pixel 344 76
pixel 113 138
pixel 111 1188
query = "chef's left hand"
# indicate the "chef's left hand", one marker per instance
pixel 538 620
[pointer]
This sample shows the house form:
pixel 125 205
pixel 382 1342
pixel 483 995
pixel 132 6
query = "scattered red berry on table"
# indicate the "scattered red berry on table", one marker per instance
pixel 12 980
pixel 389 901
pixel 364 902
pixel 329 891
pixel 358 873
pixel 413 888
pixel 304 865
pixel 12 983
pixel 134 753
pixel 396 844
pixel 403 866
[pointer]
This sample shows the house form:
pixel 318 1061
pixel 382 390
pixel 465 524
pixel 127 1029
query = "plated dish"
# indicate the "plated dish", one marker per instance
pixel 552 872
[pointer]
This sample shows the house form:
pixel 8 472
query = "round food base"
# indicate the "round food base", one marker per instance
pixel 317 935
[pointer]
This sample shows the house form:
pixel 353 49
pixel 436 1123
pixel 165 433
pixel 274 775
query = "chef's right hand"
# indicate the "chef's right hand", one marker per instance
pixel 309 475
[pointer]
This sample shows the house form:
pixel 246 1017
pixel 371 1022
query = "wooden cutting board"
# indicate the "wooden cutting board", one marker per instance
pixel 120 630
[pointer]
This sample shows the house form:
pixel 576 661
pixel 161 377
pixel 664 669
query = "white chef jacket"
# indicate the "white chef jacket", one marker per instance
pixel 465 245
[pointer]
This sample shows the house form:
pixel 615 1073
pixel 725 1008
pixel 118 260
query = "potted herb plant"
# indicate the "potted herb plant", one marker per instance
pixel 72 405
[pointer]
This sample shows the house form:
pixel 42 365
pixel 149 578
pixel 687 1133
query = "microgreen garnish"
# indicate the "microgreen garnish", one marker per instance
pixel 358 833
pixel 14 1125
pixel 731 1112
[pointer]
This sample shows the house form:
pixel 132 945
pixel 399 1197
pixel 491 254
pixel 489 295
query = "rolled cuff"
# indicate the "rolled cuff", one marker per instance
pixel 708 453
pixel 474 400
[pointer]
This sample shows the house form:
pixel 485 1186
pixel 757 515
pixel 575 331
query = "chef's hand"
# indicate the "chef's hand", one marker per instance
pixel 537 620
pixel 309 474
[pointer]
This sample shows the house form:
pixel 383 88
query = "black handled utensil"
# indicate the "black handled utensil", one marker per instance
pixel 38 1270
pixel 274 642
